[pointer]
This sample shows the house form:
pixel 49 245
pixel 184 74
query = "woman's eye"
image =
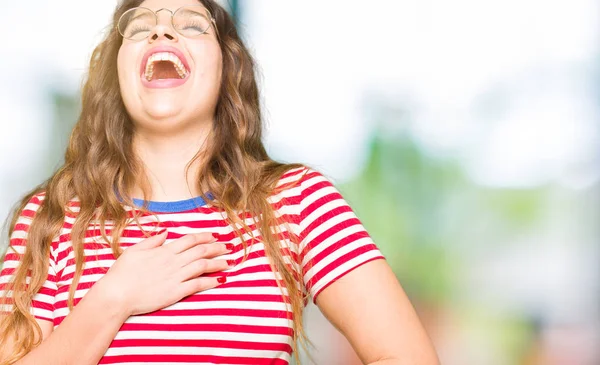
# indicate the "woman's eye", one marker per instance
pixel 136 30
pixel 193 26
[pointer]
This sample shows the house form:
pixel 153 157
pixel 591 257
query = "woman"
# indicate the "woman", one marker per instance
pixel 169 236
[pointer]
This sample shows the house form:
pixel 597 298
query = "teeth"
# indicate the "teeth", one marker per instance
pixel 164 56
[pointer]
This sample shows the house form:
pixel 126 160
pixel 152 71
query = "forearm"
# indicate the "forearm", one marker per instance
pixel 84 335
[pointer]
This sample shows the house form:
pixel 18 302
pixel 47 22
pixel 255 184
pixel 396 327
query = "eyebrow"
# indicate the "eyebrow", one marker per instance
pixel 190 9
pixel 139 13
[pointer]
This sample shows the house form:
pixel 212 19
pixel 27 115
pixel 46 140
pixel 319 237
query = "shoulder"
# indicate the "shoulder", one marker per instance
pixel 27 213
pixel 301 179
pixel 29 207
pixel 301 187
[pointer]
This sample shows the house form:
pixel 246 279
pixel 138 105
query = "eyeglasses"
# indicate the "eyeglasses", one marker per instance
pixel 189 21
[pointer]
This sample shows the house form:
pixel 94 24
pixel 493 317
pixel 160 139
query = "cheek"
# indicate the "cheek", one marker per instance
pixel 213 69
pixel 126 74
pixel 207 57
pixel 122 69
pixel 126 64
pixel 120 62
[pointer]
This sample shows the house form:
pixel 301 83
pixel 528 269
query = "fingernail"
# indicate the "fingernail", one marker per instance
pixel 160 232
pixel 221 279
pixel 229 246
pixel 231 262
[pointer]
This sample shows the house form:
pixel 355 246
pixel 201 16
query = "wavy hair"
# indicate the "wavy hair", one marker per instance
pixel 235 169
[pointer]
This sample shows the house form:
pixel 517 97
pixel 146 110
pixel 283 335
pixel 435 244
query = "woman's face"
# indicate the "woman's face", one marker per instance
pixel 169 81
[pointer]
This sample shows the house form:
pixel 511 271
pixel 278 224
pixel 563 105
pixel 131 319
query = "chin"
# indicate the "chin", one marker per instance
pixel 162 110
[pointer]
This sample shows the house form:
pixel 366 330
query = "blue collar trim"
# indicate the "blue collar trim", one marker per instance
pixel 171 207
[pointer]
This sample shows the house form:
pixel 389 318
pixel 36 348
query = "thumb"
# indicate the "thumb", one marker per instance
pixel 152 242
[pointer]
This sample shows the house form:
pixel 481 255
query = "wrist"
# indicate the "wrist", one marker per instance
pixel 110 298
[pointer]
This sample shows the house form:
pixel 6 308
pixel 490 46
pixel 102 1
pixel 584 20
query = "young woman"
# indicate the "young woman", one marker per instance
pixel 169 236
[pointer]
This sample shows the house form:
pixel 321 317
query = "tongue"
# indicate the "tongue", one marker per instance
pixel 164 70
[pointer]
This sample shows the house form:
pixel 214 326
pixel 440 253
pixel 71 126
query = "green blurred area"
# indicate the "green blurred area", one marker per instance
pixel 425 213
pixel 420 210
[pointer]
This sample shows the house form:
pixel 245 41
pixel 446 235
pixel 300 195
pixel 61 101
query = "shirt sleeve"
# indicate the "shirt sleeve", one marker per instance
pixel 332 239
pixel 42 306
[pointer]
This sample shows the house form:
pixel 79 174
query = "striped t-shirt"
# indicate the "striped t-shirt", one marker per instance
pixel 245 320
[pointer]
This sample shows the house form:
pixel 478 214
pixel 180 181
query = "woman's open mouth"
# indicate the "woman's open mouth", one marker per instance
pixel 164 67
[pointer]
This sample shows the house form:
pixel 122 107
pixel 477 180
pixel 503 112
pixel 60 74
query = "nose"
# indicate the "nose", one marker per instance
pixel 163 28
pixel 162 31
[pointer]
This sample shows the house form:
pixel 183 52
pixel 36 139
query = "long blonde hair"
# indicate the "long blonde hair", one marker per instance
pixel 99 168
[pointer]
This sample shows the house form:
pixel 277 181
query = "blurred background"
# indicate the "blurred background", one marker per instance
pixel 465 134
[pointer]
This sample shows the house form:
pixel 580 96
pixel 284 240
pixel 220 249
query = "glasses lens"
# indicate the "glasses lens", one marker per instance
pixel 136 23
pixel 191 21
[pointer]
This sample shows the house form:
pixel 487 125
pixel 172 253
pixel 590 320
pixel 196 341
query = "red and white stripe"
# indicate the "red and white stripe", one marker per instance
pixel 244 321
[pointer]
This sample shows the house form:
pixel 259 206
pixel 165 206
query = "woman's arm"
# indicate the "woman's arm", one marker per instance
pixel 84 335
pixel 370 308
pixel 8 344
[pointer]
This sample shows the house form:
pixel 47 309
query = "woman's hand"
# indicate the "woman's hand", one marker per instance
pixel 149 276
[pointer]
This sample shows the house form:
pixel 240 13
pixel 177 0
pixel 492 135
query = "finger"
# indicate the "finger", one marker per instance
pixel 202 266
pixel 203 251
pixel 188 241
pixel 151 242
pixel 196 285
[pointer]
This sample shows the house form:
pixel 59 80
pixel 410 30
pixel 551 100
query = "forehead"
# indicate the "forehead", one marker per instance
pixel 168 4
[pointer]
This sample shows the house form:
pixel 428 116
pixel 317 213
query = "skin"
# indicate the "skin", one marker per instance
pixel 167 119
pixel 383 330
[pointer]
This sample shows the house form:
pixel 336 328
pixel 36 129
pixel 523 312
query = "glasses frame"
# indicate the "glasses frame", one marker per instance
pixel 212 22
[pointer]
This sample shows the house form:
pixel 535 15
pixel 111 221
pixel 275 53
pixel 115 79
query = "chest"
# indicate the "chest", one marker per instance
pixel 244 321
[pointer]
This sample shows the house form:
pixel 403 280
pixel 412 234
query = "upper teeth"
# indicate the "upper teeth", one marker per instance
pixel 164 56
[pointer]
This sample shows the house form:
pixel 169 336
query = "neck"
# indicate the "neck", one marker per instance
pixel 165 160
